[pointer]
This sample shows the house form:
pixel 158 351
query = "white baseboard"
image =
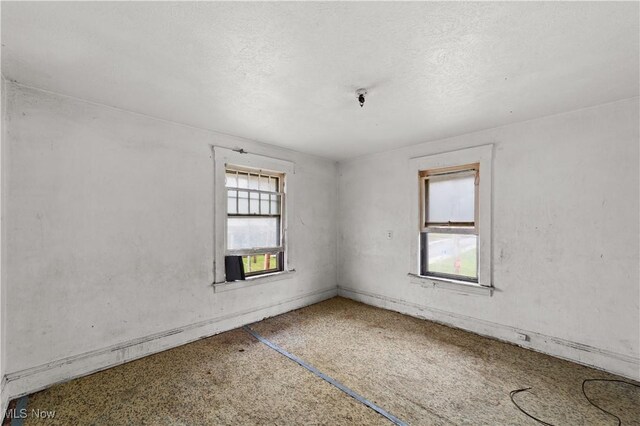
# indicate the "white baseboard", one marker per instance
pixel 24 382
pixel 612 362
pixel 36 378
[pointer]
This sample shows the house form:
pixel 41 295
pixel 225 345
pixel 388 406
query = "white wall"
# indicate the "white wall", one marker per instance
pixel 109 218
pixel 565 236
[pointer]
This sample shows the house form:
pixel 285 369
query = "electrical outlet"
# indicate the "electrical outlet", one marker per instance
pixel 523 337
pixel 389 235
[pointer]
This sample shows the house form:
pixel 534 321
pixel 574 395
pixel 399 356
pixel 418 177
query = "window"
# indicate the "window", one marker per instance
pixel 451 220
pixel 257 217
pixel 254 219
pixel 449 228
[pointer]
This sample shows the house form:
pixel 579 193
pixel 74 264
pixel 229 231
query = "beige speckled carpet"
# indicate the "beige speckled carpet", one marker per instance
pixel 421 372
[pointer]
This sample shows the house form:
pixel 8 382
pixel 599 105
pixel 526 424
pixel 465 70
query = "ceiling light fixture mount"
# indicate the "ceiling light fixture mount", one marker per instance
pixel 360 94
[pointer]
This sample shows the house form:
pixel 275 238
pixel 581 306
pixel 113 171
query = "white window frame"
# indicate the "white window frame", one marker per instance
pixel 483 155
pixel 223 157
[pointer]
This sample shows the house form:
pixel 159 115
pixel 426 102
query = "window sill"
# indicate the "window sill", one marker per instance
pixel 252 281
pixel 449 284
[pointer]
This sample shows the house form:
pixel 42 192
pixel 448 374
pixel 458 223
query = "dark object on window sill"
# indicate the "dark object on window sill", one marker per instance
pixel 234 268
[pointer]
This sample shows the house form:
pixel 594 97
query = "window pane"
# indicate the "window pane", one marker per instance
pixel 264 203
pixel 273 184
pixel 252 232
pixel 243 180
pixel 231 181
pixel 275 204
pixel 231 201
pixel 451 199
pixel 258 263
pixel 243 202
pixel 253 182
pixel 254 203
pixel 264 183
pixel 452 254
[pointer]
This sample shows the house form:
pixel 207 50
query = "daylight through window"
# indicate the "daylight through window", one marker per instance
pixel 254 219
pixel 449 228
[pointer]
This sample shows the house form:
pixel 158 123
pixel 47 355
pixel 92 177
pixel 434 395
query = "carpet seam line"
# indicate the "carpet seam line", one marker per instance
pixel 393 419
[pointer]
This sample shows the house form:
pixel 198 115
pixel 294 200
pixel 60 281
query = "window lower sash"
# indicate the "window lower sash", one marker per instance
pixel 263 266
pixel 424 259
pixel 252 251
pixel 450 230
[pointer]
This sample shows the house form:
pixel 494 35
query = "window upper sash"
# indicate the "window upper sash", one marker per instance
pixel 274 180
pixel 442 175
pixel 273 200
pixel 262 194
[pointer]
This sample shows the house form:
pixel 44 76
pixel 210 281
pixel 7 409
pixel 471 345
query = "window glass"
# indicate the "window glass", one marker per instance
pixel 254 181
pixel 274 184
pixel 252 232
pixel 452 254
pixel 264 183
pixel 243 202
pixel 254 203
pixel 264 203
pixel 258 263
pixel 243 180
pixel 451 198
pixel 232 206
pixel 231 181
pixel 275 203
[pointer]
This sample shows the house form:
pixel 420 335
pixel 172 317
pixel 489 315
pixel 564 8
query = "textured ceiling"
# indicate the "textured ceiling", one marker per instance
pixel 286 73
